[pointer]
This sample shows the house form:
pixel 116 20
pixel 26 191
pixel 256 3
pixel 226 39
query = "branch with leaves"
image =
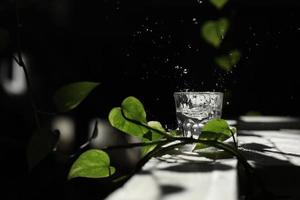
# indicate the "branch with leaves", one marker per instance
pixel 130 118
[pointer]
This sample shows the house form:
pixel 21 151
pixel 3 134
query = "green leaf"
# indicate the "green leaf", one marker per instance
pixel 215 129
pixel 134 109
pixel 93 163
pixel 152 136
pixel 117 120
pixel 70 96
pixel 219 4
pixel 227 62
pixel 40 146
pixel 214 31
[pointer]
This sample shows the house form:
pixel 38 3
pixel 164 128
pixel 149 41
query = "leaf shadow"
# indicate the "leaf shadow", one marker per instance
pixel 197 167
pixel 170 189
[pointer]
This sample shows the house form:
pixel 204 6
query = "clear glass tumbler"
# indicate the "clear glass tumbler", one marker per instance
pixel 194 109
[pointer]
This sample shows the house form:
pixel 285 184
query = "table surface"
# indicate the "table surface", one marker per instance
pixel 274 153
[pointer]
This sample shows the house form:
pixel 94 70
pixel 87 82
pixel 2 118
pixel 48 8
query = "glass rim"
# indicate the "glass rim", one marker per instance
pixel 204 92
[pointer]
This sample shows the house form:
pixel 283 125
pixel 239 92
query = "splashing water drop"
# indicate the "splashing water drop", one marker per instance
pixel 195 20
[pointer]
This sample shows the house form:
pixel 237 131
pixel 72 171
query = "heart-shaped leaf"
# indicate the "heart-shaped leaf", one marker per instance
pixel 93 163
pixel 215 129
pixel 117 120
pixel 40 145
pixel 70 96
pixel 219 4
pixel 227 62
pixel 152 136
pixel 132 109
pixel 214 31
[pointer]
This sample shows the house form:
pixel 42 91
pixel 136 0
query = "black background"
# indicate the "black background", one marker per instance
pixel 143 49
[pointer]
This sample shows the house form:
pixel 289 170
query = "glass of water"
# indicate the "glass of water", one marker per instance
pixel 194 109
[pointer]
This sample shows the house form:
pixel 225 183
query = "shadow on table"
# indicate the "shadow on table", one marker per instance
pixel 198 167
pixel 273 178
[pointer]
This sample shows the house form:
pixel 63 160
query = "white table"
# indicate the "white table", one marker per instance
pixel 274 153
pixel 175 177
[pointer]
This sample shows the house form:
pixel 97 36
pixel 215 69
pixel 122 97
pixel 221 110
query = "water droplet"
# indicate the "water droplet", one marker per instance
pixel 199 1
pixel 185 71
pixel 189 46
pixel 227 103
pixel 167 60
pixel 195 21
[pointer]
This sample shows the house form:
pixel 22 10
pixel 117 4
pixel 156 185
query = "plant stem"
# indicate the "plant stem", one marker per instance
pixel 138 144
pixel 234 140
pixel 146 126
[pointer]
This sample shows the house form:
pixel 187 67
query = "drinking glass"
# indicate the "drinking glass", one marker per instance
pixel 194 109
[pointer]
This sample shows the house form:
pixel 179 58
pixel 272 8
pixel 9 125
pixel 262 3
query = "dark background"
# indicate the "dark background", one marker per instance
pixel 147 49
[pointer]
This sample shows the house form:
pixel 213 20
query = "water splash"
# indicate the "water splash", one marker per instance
pixel 195 21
